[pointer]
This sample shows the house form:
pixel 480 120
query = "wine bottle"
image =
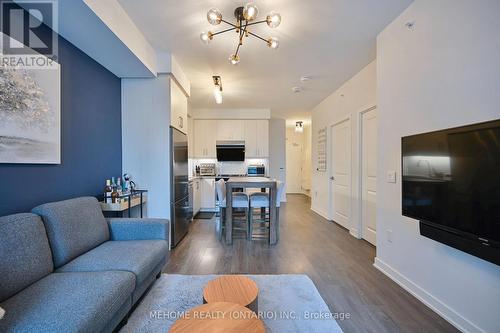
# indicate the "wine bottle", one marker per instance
pixel 107 191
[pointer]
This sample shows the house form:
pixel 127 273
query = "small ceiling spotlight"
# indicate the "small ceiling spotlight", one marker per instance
pixel 299 126
pixel 217 89
pixel 305 78
pixel 296 89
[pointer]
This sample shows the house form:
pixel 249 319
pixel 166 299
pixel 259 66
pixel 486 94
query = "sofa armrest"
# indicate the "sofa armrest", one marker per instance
pixel 138 229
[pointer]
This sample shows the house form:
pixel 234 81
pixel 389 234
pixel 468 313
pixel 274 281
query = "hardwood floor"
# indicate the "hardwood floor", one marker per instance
pixel 340 266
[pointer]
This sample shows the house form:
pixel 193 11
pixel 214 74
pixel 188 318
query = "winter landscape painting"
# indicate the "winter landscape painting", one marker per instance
pixel 30 119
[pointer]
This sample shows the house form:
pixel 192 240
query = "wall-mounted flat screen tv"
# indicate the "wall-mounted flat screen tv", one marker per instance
pixel 451 183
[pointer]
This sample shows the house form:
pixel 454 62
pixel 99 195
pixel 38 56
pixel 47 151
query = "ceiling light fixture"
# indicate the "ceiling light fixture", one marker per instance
pixel 217 89
pixel 299 126
pixel 245 17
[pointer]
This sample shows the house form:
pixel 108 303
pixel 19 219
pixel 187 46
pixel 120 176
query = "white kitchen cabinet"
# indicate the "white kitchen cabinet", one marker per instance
pixel 178 108
pixel 228 130
pixel 196 196
pixel 256 138
pixel 262 138
pixel 190 133
pixel 207 193
pixel 250 138
pixel 204 138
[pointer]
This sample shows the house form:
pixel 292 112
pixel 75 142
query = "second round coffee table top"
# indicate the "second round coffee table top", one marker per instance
pixel 219 317
pixel 231 288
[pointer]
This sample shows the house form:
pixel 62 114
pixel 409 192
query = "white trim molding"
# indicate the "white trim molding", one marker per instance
pixel 450 315
pixel 321 213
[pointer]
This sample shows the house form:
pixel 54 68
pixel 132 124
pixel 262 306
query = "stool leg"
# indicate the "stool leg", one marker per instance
pixel 277 224
pixel 250 223
pixel 221 224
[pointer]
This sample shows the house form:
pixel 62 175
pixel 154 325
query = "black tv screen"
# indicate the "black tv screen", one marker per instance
pixel 451 181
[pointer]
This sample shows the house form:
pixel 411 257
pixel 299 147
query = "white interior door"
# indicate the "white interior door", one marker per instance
pixel 369 175
pixel 341 173
pixel 293 162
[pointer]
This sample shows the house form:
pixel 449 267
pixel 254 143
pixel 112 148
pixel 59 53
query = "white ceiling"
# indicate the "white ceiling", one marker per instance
pixel 328 40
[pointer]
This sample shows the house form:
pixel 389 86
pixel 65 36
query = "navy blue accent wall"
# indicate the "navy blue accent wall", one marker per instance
pixel 90 139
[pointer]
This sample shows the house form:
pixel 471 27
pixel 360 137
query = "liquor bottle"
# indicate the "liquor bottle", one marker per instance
pixel 107 191
pixel 119 186
pixel 114 196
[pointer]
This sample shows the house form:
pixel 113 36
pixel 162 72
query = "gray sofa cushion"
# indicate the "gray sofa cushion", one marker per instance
pixel 73 226
pixel 68 302
pixel 139 257
pixel 24 253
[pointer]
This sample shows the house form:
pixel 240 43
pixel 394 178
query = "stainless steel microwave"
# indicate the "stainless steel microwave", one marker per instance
pixel 256 170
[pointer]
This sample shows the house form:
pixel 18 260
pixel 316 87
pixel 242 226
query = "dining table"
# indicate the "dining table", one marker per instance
pixel 255 183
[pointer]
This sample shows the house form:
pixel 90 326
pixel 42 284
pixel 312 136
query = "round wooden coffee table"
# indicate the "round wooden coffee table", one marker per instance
pixel 219 317
pixel 233 288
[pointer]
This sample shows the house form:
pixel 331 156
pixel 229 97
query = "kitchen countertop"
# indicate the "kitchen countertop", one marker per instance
pixel 221 176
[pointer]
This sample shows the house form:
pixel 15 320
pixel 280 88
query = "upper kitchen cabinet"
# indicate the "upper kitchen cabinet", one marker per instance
pixel 256 138
pixel 228 130
pixel 204 138
pixel 178 108
pixel 190 137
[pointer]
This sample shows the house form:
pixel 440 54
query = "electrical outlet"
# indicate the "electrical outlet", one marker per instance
pixel 391 176
pixel 389 235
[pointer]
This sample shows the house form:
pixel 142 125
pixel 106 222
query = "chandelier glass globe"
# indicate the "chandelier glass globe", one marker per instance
pixel 214 16
pixel 206 37
pixel 250 11
pixel 273 19
pixel 234 59
pixel 273 42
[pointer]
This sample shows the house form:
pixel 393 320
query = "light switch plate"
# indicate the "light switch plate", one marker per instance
pixel 391 176
pixel 389 235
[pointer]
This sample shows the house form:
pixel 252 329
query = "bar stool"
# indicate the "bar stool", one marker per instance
pixel 260 201
pixel 240 201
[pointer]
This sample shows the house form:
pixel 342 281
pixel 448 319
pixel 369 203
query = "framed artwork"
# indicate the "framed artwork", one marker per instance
pixel 321 144
pixel 30 115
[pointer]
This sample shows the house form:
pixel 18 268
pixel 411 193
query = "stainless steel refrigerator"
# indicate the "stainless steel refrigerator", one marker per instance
pixel 181 211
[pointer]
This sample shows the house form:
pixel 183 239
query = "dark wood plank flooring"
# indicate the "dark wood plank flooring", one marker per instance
pixel 340 266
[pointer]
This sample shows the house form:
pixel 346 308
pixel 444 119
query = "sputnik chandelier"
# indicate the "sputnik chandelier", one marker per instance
pixel 245 17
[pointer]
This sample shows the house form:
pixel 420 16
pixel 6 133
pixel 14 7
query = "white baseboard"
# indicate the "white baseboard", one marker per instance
pixel 319 212
pixel 355 233
pixel 431 301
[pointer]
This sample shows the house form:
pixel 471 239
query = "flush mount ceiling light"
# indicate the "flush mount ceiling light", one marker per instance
pixel 245 17
pixel 299 126
pixel 217 89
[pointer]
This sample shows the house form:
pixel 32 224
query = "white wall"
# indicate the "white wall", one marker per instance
pixel 146 139
pixel 356 95
pixel 444 72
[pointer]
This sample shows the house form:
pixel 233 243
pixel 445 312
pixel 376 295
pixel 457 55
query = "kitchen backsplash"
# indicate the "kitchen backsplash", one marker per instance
pixel 229 168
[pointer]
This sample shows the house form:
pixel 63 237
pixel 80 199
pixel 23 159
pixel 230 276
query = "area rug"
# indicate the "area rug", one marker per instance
pixel 287 303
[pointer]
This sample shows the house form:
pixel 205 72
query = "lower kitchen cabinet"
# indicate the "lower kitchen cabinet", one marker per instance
pixel 196 196
pixel 207 193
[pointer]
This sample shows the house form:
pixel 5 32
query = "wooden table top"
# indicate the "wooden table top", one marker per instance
pixel 219 317
pixel 231 288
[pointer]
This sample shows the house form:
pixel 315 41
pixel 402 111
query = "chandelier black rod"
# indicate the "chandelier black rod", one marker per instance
pixel 223 31
pixel 257 22
pixel 257 36
pixel 231 24
pixel 237 27
pixel 242 33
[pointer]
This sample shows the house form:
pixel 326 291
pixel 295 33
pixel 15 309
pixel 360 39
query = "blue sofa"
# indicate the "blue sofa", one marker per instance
pixel 65 268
